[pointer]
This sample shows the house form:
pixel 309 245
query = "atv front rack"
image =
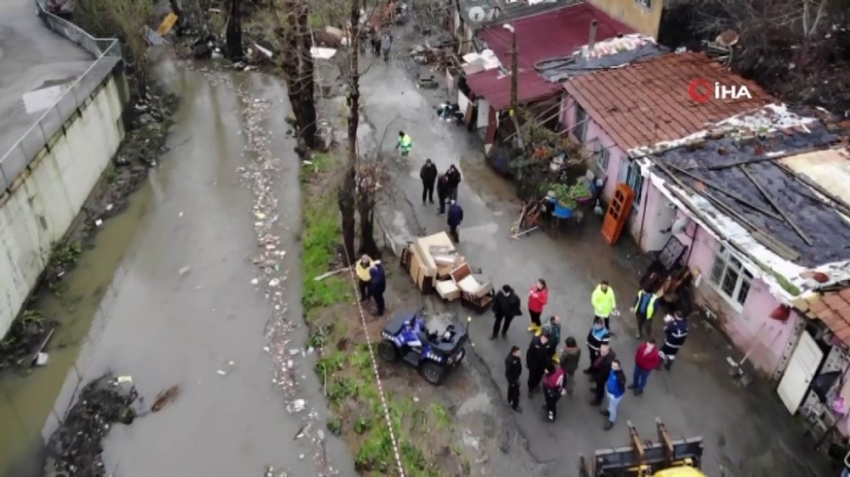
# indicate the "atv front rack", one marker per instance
pixel 644 458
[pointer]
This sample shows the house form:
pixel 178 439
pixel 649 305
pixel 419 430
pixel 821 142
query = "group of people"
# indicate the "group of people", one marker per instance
pixel 371 281
pixel 446 184
pixel 381 43
pixel 553 374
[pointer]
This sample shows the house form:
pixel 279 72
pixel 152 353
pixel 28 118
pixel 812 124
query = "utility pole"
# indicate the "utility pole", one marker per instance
pixel 514 70
pixel 514 83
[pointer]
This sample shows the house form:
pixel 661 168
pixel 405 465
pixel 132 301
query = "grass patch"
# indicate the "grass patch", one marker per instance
pixel 441 415
pixel 66 254
pixel 320 241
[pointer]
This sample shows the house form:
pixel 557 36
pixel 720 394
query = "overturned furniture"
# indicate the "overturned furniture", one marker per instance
pixel 643 458
pixel 429 259
pixel 476 291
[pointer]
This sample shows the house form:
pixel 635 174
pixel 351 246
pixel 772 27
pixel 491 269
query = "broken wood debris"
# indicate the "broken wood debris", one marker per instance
pixel 724 191
pixel 776 207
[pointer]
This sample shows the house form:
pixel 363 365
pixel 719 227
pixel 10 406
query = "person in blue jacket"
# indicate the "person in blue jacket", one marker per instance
pixel 378 284
pixel 615 388
pixel 455 217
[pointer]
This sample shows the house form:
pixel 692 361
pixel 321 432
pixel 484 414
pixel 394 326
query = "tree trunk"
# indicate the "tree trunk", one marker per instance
pixel 346 192
pixel 366 209
pixel 234 31
pixel 306 118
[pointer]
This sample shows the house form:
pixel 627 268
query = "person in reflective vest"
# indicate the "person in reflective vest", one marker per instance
pixel 404 143
pixel 604 303
pixel 644 309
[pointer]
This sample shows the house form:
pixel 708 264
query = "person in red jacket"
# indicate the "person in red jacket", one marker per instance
pixel 647 358
pixel 537 298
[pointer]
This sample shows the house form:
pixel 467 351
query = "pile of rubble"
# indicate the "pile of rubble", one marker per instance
pixel 75 449
pixel 438 57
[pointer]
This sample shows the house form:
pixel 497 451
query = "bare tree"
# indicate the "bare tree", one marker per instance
pixel 346 191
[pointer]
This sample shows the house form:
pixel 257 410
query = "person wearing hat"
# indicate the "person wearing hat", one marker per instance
pixel 363 277
pixel 455 217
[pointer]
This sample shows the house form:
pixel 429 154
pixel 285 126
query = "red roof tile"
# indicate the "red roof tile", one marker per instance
pixel 551 34
pixel 495 87
pixel 834 310
pixel 648 102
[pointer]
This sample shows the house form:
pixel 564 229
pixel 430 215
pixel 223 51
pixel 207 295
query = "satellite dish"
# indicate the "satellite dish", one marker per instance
pixel 477 14
pixel 727 38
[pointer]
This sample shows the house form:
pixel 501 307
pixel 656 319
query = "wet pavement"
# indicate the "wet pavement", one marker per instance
pixel 696 399
pixel 184 307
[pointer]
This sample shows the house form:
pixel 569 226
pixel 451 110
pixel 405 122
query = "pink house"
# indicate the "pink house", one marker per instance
pixel 722 178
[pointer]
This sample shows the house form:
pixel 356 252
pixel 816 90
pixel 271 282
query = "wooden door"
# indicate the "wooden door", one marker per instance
pixel 618 213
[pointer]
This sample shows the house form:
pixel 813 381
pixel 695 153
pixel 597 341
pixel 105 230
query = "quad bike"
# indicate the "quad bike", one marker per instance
pixel 664 458
pixel 407 338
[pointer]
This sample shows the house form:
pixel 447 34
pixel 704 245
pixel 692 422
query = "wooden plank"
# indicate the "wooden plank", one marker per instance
pixel 724 191
pixel 167 24
pixel 756 160
pixel 775 205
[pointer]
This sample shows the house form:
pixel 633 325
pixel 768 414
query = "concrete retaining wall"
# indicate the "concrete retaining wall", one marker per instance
pixel 40 207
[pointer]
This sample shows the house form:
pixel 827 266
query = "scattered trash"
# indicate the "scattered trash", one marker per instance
pixel 320 435
pixel 231 363
pixel 296 406
pixel 255 281
pixel 303 430
pixel 153 38
pixel 124 379
pixel 274 282
pixel 165 397
pixel 109 207
pixel 293 352
pixel 222 372
pixel 41 359
pixel 185 270
pixel 75 448
pixel 180 214
pixel 290 364
pixel 260 215
pixel 98 223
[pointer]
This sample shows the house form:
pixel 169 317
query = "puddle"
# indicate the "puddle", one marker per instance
pixel 26 402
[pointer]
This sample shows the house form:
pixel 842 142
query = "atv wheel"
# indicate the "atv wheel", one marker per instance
pixel 387 351
pixel 433 373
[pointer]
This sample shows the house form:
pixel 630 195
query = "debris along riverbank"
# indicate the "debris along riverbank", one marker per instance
pixel 75 449
pixel 148 120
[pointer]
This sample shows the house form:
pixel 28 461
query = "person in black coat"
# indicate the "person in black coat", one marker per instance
pixel 513 370
pixel 506 306
pixel 454 178
pixel 601 369
pixel 536 357
pixel 379 285
pixel 454 219
pixel 442 192
pixel 428 174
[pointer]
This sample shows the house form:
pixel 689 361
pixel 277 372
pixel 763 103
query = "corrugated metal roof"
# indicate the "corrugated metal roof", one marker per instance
pixel 495 87
pixel 553 34
pixel 509 11
pixel 829 168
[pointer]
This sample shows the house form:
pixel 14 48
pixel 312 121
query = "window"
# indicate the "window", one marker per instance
pixel 602 156
pixel 580 128
pixel 730 277
pixel 635 181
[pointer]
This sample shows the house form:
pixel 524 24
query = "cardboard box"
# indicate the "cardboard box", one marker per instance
pixel 422 247
pixel 448 290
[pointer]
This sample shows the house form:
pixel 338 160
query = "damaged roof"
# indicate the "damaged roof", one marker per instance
pixel 833 308
pixel 647 102
pixel 745 178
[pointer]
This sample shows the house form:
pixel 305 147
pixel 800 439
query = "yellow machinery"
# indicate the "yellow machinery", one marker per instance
pixel 665 458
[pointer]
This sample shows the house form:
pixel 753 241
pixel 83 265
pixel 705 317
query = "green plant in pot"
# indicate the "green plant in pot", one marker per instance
pixel 580 192
pixel 562 195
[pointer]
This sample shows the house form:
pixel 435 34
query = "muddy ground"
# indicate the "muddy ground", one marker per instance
pixel 454 429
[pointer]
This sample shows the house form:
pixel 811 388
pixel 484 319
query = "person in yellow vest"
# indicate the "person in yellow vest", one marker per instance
pixel 404 143
pixel 604 303
pixel 644 309
pixel 364 277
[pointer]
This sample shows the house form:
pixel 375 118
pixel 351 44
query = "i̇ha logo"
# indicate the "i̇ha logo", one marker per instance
pixel 702 90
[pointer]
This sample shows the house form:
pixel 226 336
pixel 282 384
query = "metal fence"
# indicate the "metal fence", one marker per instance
pixel 107 53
